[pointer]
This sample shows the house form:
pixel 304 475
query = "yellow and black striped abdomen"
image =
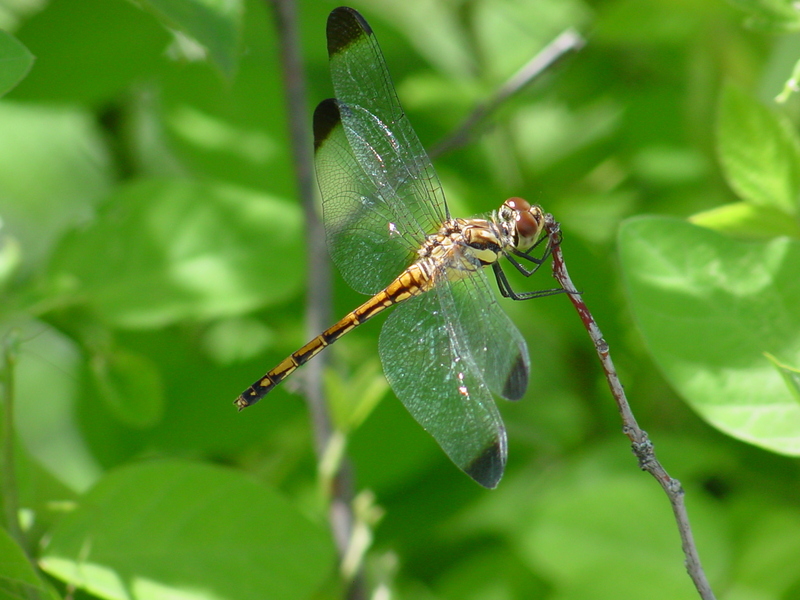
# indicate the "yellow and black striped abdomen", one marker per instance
pixel 411 282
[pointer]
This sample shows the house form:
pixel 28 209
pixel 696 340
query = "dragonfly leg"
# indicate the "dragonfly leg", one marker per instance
pixel 507 291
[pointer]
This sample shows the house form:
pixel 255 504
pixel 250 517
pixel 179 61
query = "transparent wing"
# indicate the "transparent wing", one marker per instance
pixel 443 354
pixel 367 251
pixel 486 335
pixel 404 187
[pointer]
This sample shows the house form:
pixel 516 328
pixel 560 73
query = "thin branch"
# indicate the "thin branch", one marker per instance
pixel 568 41
pixel 640 442
pixel 9 482
pixel 318 297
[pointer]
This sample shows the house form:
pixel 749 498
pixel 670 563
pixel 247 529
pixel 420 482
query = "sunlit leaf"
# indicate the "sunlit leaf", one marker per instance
pixel 54 167
pixel 759 152
pixel 710 308
pixel 178 529
pixel 47 373
pixel 747 221
pixel 186 250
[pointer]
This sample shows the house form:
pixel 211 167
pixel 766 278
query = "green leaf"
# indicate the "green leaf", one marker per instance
pixel 15 62
pixel 169 250
pixel 709 309
pixel 131 386
pixel 791 85
pixel 774 16
pixel 53 169
pixel 216 24
pixel 767 552
pixel 759 152
pixel 790 374
pixel 576 526
pixel 177 529
pixel 48 375
pixel 747 221
pixel 18 579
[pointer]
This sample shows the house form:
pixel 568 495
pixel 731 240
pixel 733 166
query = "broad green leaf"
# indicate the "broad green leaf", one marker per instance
pixel 15 62
pixel 759 152
pixel 130 385
pixel 48 373
pixel 53 169
pixel 216 24
pixel 709 309
pixel 162 251
pixel 177 529
pixel 18 580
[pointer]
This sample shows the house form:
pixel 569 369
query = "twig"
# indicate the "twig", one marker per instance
pixel 640 442
pixel 568 41
pixel 319 278
pixel 9 483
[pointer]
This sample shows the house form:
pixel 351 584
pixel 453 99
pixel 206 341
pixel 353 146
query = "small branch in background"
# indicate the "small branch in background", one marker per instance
pixel 641 444
pixel 8 468
pixel 318 298
pixel 568 41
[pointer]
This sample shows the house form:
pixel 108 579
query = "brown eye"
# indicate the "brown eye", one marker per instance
pixel 519 204
pixel 528 226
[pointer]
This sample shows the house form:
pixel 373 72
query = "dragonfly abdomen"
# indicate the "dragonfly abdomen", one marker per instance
pixel 411 282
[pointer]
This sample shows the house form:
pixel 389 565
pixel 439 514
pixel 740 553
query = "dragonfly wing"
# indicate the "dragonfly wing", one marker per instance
pixel 367 251
pixel 437 367
pixel 488 336
pixel 380 136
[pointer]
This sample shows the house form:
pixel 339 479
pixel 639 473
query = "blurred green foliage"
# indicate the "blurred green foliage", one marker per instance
pixel 152 265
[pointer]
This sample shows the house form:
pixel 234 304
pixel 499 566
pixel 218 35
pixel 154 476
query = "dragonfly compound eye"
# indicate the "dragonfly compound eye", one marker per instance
pixel 528 222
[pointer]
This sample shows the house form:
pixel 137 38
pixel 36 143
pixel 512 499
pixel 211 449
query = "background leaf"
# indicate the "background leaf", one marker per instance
pixel 710 309
pixel 180 522
pixel 152 262
pixel 179 263
pixel 18 580
pixel 215 24
pixel 15 62
pixel 759 152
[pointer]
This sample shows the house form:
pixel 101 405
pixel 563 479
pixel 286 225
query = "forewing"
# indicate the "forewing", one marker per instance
pixel 380 136
pixel 433 372
pixel 367 251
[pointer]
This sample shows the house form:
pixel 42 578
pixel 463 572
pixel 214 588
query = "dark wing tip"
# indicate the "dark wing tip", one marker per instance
pixel 517 380
pixel 326 119
pixel 345 26
pixel 487 468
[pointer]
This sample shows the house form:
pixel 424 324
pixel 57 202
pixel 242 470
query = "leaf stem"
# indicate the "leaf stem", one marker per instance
pixel 9 483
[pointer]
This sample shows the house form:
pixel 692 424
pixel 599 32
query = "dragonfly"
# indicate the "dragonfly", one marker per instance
pixel 447 347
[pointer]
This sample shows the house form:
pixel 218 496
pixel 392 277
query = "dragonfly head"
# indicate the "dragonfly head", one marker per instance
pixel 523 221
